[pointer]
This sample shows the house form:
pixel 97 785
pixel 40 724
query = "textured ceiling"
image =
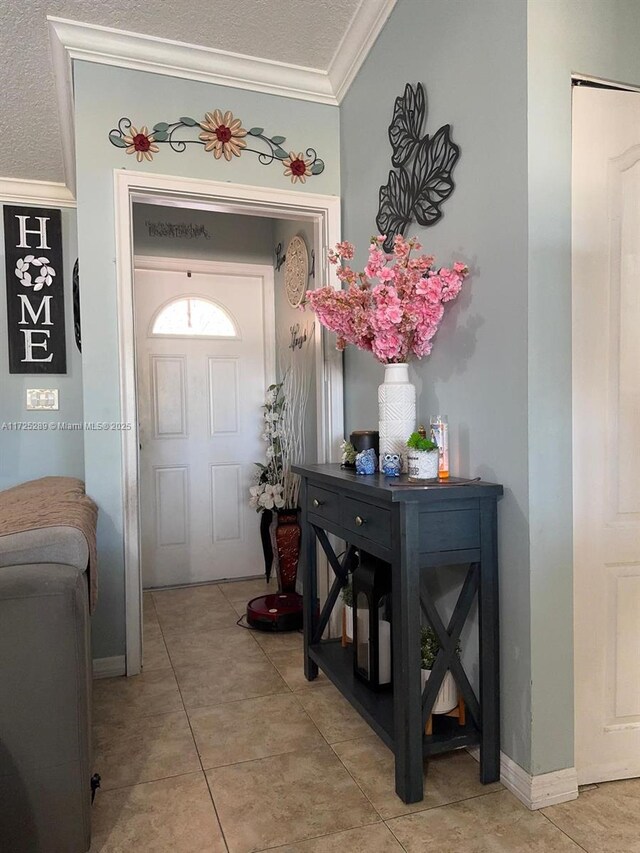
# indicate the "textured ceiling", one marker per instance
pixel 301 32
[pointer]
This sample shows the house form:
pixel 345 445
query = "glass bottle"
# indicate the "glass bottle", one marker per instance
pixel 440 434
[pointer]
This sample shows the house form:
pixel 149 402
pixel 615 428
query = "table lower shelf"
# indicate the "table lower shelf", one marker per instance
pixel 377 708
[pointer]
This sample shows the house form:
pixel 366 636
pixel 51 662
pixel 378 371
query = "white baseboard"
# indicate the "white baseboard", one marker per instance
pixel 536 792
pixel 109 667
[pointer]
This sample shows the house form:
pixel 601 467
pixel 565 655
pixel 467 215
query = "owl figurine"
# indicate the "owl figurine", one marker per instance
pixel 366 461
pixel 391 464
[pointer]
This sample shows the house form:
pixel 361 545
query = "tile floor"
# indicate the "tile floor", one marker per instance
pixel 221 745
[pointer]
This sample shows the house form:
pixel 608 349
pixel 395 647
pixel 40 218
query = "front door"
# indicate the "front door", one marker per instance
pixel 202 357
pixel 606 432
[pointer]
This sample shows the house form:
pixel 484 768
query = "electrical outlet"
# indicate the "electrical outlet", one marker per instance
pixel 42 399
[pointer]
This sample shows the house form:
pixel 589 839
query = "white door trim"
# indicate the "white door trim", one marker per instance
pixel 321 210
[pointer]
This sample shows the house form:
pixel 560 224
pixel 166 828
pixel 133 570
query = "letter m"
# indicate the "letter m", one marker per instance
pixel 45 307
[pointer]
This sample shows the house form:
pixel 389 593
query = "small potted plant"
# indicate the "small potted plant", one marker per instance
pixel 347 613
pixel 447 697
pixel 422 457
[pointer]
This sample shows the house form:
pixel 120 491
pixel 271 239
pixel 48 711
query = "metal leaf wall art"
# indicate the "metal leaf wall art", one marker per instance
pixel 421 178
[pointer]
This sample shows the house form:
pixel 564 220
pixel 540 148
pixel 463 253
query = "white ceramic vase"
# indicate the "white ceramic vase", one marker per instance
pixel 422 464
pixel 447 697
pixel 396 409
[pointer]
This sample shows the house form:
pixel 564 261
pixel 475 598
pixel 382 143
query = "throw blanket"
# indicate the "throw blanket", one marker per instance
pixel 53 502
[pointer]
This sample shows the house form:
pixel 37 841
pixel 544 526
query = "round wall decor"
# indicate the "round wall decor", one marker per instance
pixel 296 271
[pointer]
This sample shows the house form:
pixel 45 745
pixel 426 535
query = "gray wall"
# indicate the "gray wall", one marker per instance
pixel 228 237
pixel 147 99
pixel 598 38
pixel 26 455
pixel 471 57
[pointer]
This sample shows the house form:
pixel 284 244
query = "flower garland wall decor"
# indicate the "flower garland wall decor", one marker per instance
pixel 221 134
pixel 421 178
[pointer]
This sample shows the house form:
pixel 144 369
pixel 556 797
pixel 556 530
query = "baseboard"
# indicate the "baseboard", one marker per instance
pixel 109 667
pixel 536 792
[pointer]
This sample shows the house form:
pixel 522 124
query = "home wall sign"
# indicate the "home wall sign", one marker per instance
pixel 421 178
pixel 222 135
pixel 35 292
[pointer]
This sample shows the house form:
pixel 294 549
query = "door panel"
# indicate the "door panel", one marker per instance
pixel 200 393
pixel 606 432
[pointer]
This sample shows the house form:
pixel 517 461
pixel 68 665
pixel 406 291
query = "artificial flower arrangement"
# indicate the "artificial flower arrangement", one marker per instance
pixel 394 307
pixel 276 487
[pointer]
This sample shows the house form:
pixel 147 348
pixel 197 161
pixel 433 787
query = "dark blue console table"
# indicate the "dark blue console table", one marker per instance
pixel 413 529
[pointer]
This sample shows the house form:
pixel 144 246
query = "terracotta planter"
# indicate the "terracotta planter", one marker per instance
pixel 288 549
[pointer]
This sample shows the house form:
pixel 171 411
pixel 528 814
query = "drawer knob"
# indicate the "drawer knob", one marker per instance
pixel 359 520
pixel 317 503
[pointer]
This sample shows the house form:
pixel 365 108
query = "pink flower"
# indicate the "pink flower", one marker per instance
pixel 399 316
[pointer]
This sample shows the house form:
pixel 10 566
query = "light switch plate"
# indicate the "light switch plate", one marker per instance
pixel 42 399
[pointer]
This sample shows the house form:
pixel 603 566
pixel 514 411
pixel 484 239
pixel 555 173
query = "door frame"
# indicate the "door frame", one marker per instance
pixel 323 212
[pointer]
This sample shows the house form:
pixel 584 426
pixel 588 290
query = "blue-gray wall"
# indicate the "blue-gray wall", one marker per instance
pixel 102 95
pixel 471 57
pixel 26 455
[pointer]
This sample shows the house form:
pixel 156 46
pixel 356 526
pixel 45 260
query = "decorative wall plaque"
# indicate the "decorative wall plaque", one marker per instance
pixel 296 271
pixel 421 180
pixel 35 292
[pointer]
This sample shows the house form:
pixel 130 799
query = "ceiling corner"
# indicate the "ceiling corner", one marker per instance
pixel 356 42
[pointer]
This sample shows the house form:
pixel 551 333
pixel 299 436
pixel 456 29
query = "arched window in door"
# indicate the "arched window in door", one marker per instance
pixel 193 316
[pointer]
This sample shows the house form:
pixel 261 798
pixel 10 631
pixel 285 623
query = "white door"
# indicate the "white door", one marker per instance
pixel 203 363
pixel 606 431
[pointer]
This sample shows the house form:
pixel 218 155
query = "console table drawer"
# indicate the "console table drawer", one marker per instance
pixel 324 503
pixel 367 520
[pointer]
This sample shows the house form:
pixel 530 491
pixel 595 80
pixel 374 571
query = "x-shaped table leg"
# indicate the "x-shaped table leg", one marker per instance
pixel 448 637
pixel 341 570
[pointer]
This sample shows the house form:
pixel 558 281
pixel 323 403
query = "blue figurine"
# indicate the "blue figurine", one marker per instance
pixel 366 461
pixel 391 464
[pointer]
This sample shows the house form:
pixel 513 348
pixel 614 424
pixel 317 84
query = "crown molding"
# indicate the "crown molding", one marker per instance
pixel 138 52
pixel 356 42
pixel 73 40
pixel 40 193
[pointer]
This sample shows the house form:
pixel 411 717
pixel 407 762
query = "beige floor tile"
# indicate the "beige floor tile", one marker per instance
pixel 224 644
pixel 149 615
pixel 332 714
pixel 143 749
pixel 170 816
pixel 238 593
pixel 290 665
pixel 285 799
pixel 252 728
pixel 226 681
pixel 191 609
pixel 154 692
pixel 449 778
pixel 154 650
pixel 375 838
pixel 495 823
pixel 604 819
pixel 275 642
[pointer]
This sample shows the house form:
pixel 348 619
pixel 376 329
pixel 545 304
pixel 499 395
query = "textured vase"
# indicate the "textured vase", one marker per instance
pixel 396 409
pixel 288 549
pixel 447 697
